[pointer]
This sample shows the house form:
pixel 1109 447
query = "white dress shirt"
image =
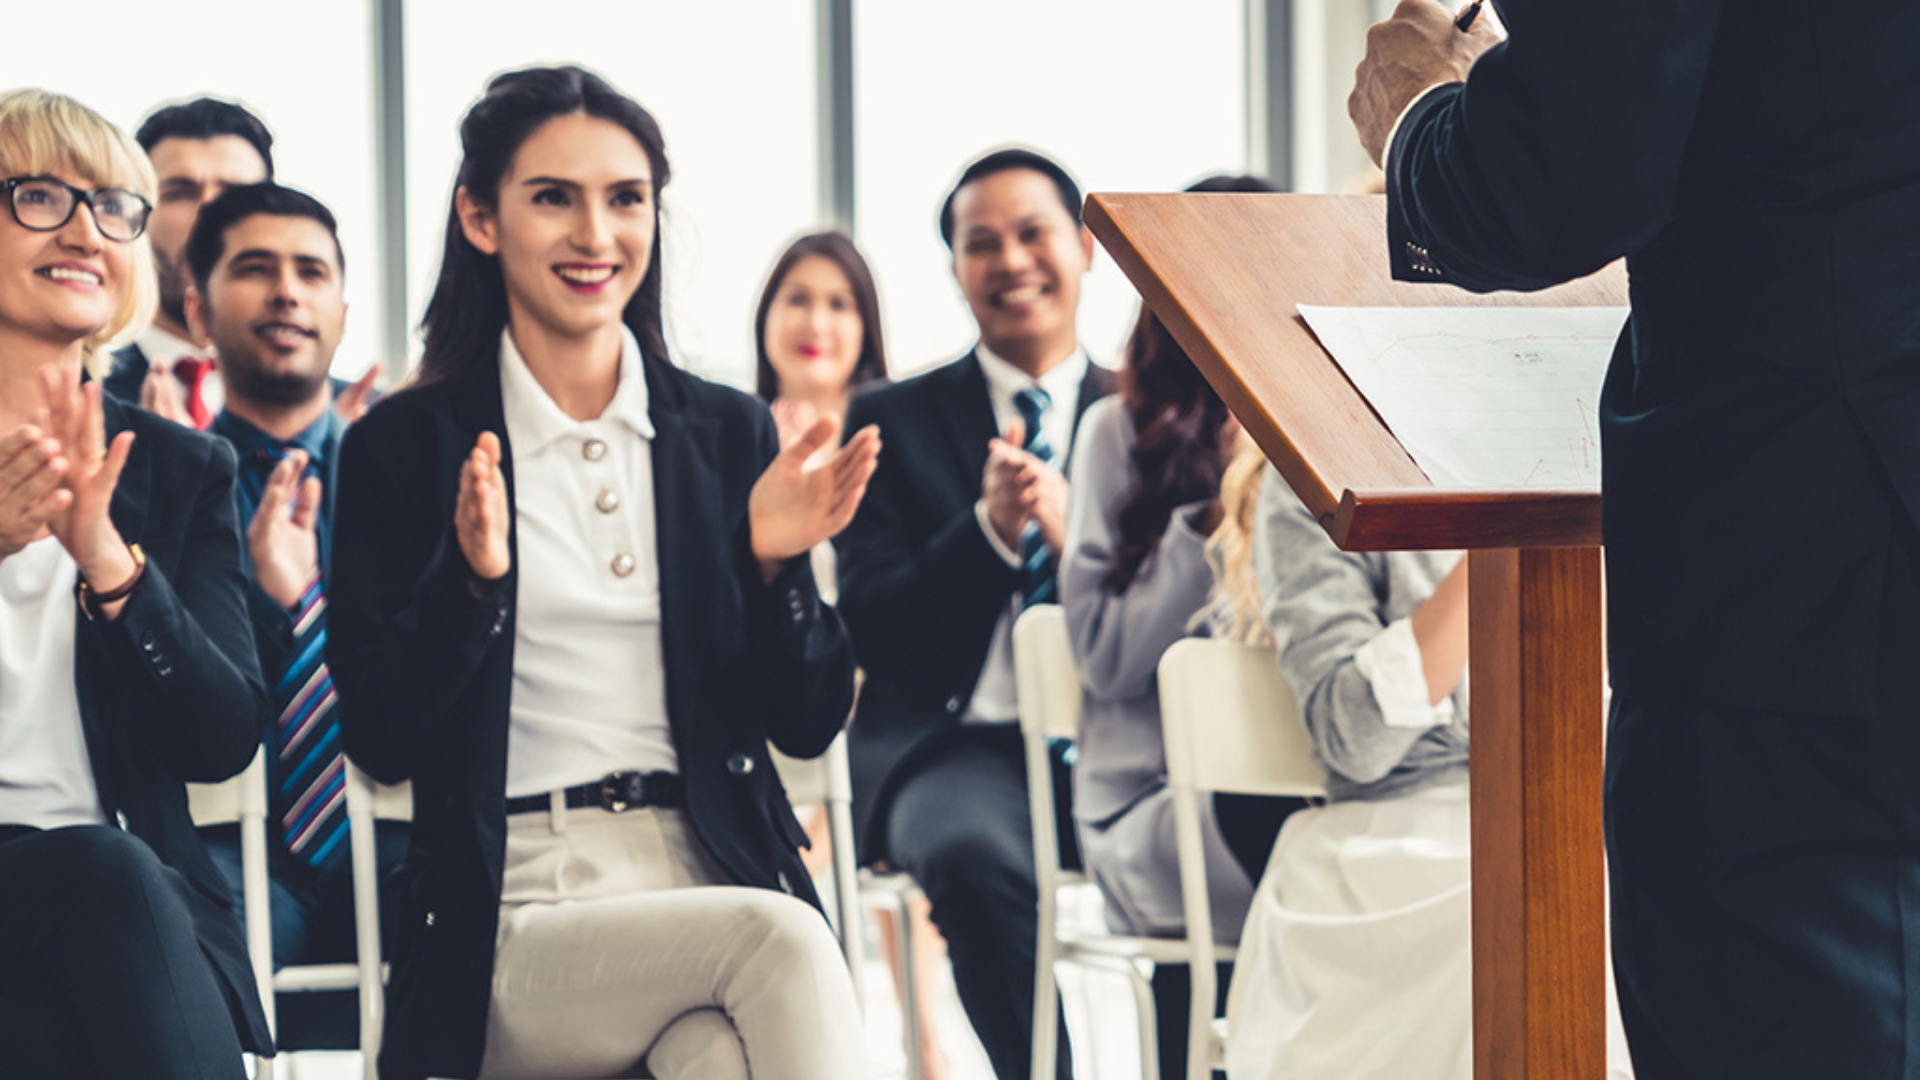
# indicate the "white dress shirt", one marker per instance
pixel 46 775
pixel 589 686
pixel 994 700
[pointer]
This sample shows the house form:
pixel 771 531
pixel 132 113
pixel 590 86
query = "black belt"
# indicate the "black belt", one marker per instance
pixel 615 792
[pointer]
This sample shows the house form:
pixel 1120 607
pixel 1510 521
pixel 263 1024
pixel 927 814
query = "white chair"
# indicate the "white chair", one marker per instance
pixel 1047 683
pixel 825 781
pixel 895 893
pixel 1231 723
pixel 243 799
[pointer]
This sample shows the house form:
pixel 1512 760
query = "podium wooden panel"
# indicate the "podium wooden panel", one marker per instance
pixel 1225 272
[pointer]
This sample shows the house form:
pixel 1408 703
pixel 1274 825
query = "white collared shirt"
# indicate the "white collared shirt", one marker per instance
pixel 589 677
pixel 994 700
pixel 46 774
pixel 164 347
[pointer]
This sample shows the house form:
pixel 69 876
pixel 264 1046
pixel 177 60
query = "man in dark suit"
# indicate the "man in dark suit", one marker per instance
pixel 1758 167
pixel 959 530
pixel 268 295
pixel 199 149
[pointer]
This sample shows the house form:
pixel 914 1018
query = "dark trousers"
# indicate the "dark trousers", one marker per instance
pixel 101 972
pixel 959 825
pixel 1766 877
pixel 312 924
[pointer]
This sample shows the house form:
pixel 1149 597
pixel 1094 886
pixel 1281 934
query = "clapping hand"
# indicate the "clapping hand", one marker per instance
pixel 92 468
pixel 1019 488
pixel 30 493
pixel 480 514
pixel 809 493
pixel 353 402
pixel 161 395
pixel 281 539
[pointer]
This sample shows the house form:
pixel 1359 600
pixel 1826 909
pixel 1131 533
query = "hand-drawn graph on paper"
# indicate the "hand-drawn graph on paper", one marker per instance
pixel 1482 397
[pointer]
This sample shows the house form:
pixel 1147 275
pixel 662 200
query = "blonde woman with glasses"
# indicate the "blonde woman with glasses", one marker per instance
pixel 126 660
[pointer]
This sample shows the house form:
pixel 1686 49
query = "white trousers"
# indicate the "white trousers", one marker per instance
pixel 623 952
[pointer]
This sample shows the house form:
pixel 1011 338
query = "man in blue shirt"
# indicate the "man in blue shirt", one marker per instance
pixel 268 294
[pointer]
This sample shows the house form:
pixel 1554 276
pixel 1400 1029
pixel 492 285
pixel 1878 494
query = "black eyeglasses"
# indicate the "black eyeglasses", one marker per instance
pixel 43 204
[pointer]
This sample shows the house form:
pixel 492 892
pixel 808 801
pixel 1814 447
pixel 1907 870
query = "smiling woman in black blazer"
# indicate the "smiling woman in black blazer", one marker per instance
pixel 571 603
pixel 126 662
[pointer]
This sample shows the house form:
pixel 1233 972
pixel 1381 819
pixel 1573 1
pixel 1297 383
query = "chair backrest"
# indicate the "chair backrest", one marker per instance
pixel 1232 723
pixel 1046 680
pixel 233 799
pixel 1047 688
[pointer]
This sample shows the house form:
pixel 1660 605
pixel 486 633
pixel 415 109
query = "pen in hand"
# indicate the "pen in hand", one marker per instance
pixel 1463 22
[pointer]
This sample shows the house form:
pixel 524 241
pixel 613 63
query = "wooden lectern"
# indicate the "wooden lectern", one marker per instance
pixel 1225 272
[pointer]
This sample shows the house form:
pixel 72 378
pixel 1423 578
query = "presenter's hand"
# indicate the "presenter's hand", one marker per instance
pixel 1417 48
pixel 280 539
pixel 75 420
pixel 1010 485
pixel 480 512
pixel 809 493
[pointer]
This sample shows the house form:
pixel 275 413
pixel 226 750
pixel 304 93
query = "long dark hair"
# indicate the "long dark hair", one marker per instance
pixel 871 367
pixel 1177 420
pixel 469 305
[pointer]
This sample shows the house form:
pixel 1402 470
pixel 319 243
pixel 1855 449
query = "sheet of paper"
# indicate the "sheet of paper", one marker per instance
pixel 1502 397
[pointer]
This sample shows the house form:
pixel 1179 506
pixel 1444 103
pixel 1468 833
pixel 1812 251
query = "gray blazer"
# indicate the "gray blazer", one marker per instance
pixel 1323 604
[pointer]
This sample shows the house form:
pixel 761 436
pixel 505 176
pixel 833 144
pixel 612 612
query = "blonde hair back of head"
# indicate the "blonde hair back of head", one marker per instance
pixel 43 133
pixel 1237 601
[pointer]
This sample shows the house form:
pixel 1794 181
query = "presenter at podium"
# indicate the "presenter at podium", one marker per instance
pixel 1758 167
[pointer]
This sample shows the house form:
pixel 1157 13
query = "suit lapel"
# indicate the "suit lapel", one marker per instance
pixel 686 519
pixel 966 412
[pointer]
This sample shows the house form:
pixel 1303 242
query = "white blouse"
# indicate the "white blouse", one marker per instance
pixel 46 775
pixel 589 683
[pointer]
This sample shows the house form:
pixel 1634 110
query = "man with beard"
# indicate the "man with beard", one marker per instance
pixel 267 294
pixel 199 149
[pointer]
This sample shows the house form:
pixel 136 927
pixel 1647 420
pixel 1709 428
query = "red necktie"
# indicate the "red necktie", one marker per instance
pixel 192 371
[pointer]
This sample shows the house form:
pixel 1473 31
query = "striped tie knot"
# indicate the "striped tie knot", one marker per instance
pixel 1037 559
pixel 1033 404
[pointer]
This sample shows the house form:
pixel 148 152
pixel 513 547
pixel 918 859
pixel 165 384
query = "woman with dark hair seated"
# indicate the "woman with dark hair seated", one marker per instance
pixel 126 655
pixel 1134 579
pixel 572 604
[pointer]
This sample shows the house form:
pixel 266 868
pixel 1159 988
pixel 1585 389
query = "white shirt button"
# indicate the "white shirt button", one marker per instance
pixel 607 501
pixel 594 449
pixel 622 564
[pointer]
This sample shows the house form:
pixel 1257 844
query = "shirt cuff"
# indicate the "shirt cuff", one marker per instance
pixel 1391 665
pixel 1007 555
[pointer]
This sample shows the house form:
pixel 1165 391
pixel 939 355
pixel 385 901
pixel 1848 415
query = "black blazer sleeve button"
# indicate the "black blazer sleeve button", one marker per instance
pixel 740 765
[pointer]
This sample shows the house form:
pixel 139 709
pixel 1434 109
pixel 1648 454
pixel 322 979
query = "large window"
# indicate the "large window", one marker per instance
pixel 304 69
pixel 733 88
pixel 1129 95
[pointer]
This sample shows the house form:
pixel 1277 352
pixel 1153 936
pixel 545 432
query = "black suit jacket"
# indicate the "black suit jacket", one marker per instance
pixel 1758 164
pixel 130 371
pixel 170 691
pixel 424 665
pixel 920 585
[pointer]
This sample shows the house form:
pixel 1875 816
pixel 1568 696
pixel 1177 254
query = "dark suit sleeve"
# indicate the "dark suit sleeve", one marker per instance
pixel 901 595
pixel 1561 151
pixel 802 662
pixel 406 631
pixel 185 641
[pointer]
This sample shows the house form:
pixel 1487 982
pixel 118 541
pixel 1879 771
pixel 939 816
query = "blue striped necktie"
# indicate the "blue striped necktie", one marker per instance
pixel 1036 573
pixel 311 797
